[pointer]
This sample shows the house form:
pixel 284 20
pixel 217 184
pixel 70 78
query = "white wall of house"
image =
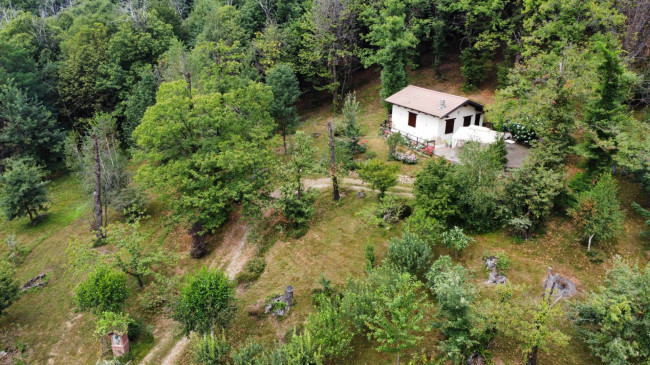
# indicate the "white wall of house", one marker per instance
pixel 458 116
pixel 428 127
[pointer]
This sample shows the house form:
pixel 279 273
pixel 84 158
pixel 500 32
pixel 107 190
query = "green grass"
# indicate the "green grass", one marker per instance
pixel 45 320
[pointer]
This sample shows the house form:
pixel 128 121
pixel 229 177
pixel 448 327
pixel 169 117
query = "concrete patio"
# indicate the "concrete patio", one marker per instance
pixel 516 154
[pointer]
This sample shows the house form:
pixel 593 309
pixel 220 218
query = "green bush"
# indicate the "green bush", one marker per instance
pixel 410 253
pixel 252 270
pixel 330 329
pixel 425 227
pixel 303 350
pixel 389 210
pixel 455 239
pixel 503 261
pixel 379 175
pixel 9 289
pixel 105 290
pixel 297 209
pixel 211 350
pixel 206 302
pixel 131 202
pixel 249 354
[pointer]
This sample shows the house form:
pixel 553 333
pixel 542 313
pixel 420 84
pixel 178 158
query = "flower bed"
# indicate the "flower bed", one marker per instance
pixel 407 158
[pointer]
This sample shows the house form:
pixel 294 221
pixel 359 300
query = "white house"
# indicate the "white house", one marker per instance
pixel 431 116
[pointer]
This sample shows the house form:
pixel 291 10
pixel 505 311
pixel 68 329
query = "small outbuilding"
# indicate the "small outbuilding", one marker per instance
pixel 426 115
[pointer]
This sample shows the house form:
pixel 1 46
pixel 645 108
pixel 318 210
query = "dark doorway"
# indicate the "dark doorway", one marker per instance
pixel 467 121
pixel 412 117
pixel 449 126
pixel 477 119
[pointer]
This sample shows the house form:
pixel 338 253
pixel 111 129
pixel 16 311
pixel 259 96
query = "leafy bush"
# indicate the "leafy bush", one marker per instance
pixel 410 253
pixel 394 140
pixel 131 202
pixel 406 158
pixel 520 132
pixel 211 349
pixel 119 323
pixel 330 329
pixel 389 210
pixel 296 208
pixel 455 239
pixel 581 182
pixel 206 301
pixel 9 288
pixel 503 262
pixel 303 349
pixel 369 253
pixel 252 270
pixel 425 227
pixel 520 226
pixel 379 175
pixel 249 354
pixel 104 290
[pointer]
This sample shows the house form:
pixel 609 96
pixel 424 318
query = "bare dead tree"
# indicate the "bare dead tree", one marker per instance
pixel 97 226
pixel 267 8
pixel 7 14
pixel 136 10
pixel 335 183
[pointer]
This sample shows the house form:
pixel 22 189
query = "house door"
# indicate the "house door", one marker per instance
pixel 449 126
pixel 477 119
pixel 467 121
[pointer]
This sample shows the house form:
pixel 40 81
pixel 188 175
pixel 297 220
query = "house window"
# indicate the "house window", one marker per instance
pixel 467 121
pixel 477 120
pixel 412 117
pixel 449 126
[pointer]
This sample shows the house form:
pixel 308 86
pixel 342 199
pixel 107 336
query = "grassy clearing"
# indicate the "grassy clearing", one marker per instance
pixel 45 319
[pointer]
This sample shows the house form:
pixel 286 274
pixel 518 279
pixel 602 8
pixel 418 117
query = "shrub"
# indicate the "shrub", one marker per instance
pixel 9 289
pixel 394 140
pixel 503 262
pixel 410 253
pixel 425 227
pixel 379 175
pixel 296 208
pixel 521 226
pixel 389 210
pixel 252 270
pixel 406 158
pixel 455 239
pixel 303 349
pixel 206 301
pixel 581 182
pixel 520 132
pixel 330 330
pixel 131 202
pixel 369 253
pixel 211 349
pixel 104 290
pixel 248 354
pixel 119 323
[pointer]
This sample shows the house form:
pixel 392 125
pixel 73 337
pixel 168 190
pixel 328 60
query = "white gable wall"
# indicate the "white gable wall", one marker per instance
pixel 428 127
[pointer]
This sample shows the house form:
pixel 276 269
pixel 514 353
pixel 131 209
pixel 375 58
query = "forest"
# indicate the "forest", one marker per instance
pixel 218 182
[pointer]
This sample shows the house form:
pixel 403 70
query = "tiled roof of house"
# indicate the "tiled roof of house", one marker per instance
pixel 429 101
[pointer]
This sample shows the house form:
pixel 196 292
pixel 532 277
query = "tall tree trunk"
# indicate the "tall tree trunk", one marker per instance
pixel 589 242
pixel 532 357
pixel 31 216
pixel 335 183
pixel 98 192
pixel 284 141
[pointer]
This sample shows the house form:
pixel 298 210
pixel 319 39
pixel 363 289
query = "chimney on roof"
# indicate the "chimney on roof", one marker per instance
pixel 442 103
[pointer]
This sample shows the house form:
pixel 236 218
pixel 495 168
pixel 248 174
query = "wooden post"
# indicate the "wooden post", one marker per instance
pixel 335 183
pixel 98 192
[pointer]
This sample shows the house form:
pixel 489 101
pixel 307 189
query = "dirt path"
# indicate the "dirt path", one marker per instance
pixel 356 185
pixel 232 254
